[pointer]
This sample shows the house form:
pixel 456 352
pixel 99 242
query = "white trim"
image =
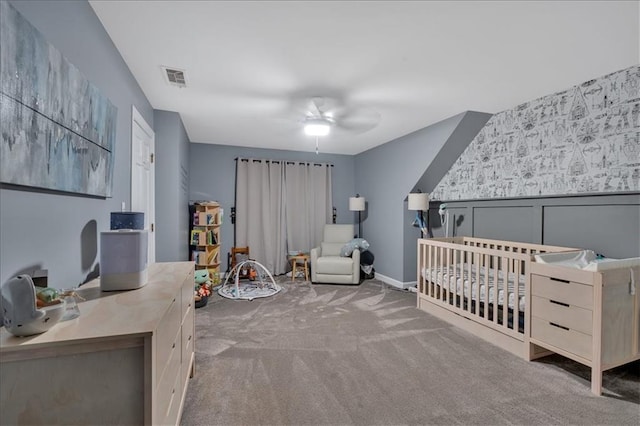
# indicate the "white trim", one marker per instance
pixel 138 118
pixel 395 283
pixel 150 216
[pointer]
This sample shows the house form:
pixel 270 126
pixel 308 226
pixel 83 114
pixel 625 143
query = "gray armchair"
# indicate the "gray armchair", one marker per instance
pixel 327 266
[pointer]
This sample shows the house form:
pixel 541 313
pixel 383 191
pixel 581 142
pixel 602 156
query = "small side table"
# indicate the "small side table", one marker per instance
pixel 299 262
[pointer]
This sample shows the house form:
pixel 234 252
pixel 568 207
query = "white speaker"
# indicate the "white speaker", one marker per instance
pixel 123 259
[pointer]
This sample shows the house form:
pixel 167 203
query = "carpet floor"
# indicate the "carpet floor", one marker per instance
pixel 365 355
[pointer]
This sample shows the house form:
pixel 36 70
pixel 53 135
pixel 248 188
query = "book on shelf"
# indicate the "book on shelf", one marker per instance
pixel 201 237
pixel 195 237
pixel 204 219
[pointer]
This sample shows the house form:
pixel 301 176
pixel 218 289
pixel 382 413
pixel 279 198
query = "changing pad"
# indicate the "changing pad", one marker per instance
pixel 605 264
pixel 586 260
pixel 572 259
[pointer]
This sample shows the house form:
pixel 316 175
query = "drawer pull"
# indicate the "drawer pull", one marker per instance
pixel 189 338
pixel 559 280
pixel 173 346
pixel 559 303
pixel 559 326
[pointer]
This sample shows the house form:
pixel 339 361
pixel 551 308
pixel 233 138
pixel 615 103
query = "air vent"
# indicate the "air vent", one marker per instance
pixel 175 77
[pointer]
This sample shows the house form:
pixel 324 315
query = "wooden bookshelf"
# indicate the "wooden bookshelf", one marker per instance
pixel 204 236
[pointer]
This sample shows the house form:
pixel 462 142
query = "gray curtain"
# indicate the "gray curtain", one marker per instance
pixel 308 203
pixel 281 206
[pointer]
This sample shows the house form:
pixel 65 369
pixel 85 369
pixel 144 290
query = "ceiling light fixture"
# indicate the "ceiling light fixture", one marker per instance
pixel 317 127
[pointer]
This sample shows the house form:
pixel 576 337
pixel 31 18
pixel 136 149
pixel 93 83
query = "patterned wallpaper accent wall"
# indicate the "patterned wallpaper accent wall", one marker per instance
pixel 584 140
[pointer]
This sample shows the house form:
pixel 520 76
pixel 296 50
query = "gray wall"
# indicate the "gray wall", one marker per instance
pixel 385 175
pixel 172 187
pixel 465 132
pixel 607 224
pixel 60 232
pixel 212 174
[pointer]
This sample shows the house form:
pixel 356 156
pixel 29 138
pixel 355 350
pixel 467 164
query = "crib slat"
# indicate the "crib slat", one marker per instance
pixel 477 284
pixel 425 256
pixel 441 272
pixel 471 283
pixel 460 268
pixel 421 261
pixel 495 264
pixel 505 267
pixel 454 273
pixel 447 262
pixel 422 266
pixel 485 264
pixel 427 268
pixel 516 296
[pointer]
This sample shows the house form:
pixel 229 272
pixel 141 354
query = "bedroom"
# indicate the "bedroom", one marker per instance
pixel 26 217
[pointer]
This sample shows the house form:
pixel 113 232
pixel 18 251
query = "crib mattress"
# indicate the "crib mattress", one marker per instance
pixel 466 280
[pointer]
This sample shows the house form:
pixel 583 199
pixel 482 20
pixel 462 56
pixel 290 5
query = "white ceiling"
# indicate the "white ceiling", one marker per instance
pixel 250 65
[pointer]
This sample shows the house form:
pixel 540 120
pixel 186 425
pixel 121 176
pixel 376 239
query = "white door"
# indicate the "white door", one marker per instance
pixel 143 176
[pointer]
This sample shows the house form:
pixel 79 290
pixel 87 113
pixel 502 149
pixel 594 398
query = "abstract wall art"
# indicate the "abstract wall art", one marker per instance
pixel 584 140
pixel 58 131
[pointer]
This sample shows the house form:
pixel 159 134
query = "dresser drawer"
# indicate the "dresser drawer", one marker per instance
pixel 187 298
pixel 174 402
pixel 562 291
pixel 566 315
pixel 166 386
pixel 561 337
pixel 169 399
pixel 188 337
pixel 166 335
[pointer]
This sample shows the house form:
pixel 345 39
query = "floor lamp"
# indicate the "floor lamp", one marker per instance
pixel 420 202
pixel 357 204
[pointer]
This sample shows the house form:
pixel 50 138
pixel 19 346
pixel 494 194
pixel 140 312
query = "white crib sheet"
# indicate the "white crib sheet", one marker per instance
pixel 438 275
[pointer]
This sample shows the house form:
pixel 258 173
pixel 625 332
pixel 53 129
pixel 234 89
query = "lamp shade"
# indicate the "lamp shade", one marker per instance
pixel 356 204
pixel 419 201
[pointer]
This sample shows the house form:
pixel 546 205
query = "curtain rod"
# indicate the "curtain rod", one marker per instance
pixel 258 160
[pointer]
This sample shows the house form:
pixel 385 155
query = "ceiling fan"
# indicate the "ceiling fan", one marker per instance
pixel 324 115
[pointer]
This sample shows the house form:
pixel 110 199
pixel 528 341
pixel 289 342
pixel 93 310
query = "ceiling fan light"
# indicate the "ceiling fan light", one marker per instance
pixel 317 128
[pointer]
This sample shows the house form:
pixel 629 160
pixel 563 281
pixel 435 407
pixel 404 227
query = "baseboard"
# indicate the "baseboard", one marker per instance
pixel 395 283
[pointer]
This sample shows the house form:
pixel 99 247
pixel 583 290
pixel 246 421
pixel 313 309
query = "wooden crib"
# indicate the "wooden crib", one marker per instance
pixel 481 286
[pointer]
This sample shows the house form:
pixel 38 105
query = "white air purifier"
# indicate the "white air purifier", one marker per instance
pixel 123 259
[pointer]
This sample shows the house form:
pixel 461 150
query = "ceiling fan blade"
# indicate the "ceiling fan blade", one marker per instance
pixel 358 120
pixel 315 106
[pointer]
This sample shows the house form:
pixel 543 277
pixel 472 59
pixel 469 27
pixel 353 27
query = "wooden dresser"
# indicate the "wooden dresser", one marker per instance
pixel 126 359
pixel 590 317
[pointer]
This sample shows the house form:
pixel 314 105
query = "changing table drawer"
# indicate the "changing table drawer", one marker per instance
pixel 566 315
pixel 562 291
pixel 561 337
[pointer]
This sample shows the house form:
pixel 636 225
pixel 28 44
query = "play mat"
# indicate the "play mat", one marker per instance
pixel 259 284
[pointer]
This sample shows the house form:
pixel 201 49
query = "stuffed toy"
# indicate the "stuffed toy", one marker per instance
pixel 356 243
pixel 202 287
pixel 201 276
